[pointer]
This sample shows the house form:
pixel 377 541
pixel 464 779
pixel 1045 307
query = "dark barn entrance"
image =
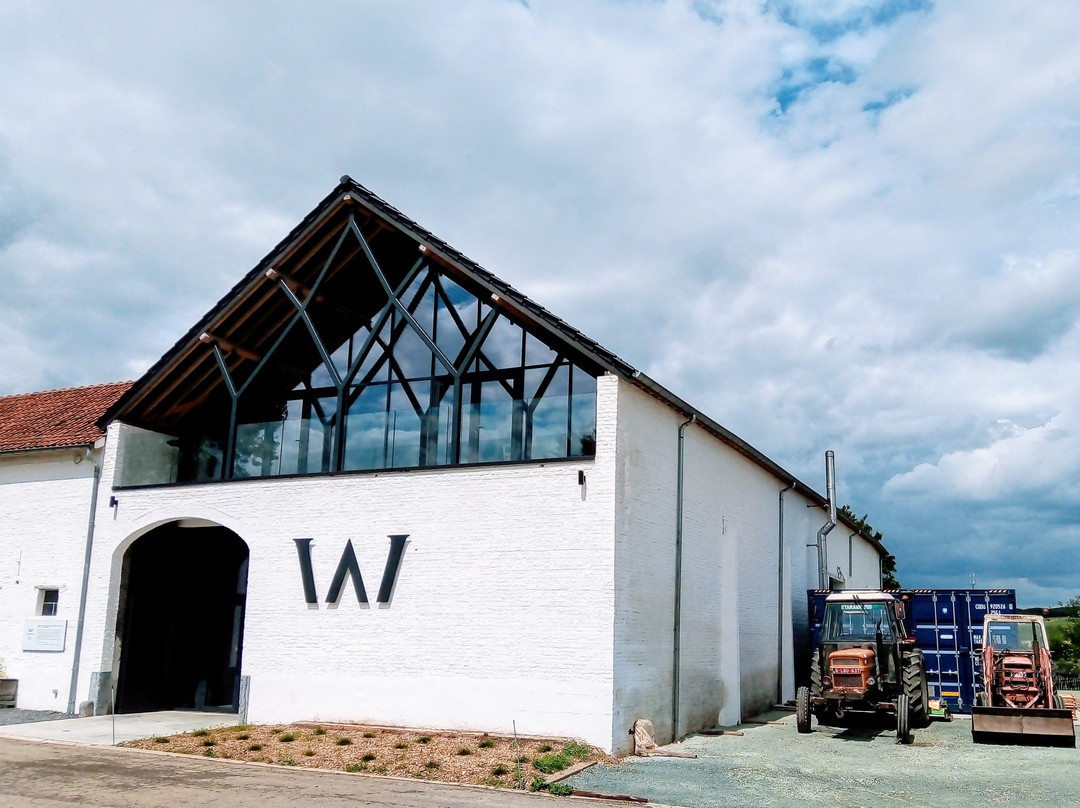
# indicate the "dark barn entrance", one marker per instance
pixel 181 620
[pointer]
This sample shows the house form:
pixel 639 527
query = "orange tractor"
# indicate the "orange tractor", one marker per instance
pixel 865 663
pixel 1017 700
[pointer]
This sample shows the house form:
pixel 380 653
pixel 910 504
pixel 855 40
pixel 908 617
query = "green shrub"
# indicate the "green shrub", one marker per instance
pixel 487 743
pixel 255 747
pixel 431 764
pixel 424 739
pixel 464 751
pixel 557 761
pixel 499 770
pixel 368 757
pixel 287 737
pixel 243 736
pixel 344 741
pixel 352 768
pixel 320 731
pixel 210 753
pixel 370 734
pixel 209 742
pixel 545 748
pixel 309 753
pixel 401 745
pixel 201 733
pixel 288 762
pixel 560 789
pixel 160 739
pixel 577 750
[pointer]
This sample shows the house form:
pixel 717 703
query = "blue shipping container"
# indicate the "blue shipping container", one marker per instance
pixel 947 627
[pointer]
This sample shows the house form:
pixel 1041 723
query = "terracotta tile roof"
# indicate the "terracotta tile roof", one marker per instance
pixel 55 418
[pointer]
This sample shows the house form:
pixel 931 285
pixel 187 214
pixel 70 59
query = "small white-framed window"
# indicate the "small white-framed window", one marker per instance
pixel 48 602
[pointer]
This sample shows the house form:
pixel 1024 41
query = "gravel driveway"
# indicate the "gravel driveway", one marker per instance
pixel 772 766
pixel 10 716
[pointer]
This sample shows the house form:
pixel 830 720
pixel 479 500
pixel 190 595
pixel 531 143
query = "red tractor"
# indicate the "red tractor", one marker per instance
pixel 1017 700
pixel 865 663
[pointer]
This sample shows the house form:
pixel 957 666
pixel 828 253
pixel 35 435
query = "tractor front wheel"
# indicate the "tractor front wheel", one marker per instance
pixel 903 720
pixel 1059 703
pixel 802 709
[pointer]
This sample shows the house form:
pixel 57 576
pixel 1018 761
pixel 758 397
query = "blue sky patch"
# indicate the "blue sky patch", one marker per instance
pixel 828 29
pixel 813 73
pixel 875 108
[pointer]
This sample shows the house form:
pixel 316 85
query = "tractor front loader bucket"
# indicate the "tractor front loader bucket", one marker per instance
pixel 1035 725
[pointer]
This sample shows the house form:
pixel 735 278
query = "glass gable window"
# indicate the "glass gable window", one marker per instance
pixel 384 362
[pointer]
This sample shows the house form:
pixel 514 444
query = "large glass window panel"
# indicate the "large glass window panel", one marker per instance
pixel 546 424
pixel 487 430
pixel 208 458
pixel 258 446
pixel 547 381
pixel 583 415
pixel 465 304
pixel 537 353
pixel 315 443
pixel 547 430
pixel 366 429
pixel 320 377
pixel 412 354
pixel 448 335
pixel 502 345
pixel 291 437
pixel 405 426
pixel 344 355
pixel 374 359
pixel 438 437
pixel 424 313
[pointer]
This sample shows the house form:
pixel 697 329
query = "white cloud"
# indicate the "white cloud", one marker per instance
pixel 886 267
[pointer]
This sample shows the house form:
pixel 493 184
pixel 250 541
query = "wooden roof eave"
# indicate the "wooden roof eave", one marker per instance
pixel 236 297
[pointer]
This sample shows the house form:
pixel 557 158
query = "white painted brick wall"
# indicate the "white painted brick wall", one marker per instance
pixel 518 597
pixel 45 502
pixel 502 611
pixel 730 596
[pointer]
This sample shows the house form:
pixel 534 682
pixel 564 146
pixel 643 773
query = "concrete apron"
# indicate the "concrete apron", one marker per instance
pixel 98 730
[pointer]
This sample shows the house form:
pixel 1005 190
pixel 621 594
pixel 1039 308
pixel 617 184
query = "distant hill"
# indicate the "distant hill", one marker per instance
pixel 1056 611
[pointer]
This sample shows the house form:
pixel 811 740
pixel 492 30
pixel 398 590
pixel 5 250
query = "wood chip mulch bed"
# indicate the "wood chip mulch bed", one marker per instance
pixel 426 755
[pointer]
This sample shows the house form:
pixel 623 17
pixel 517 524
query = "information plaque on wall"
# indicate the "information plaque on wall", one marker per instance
pixel 44 634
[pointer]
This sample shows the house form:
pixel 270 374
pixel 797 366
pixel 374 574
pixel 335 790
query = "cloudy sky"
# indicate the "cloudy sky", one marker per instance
pixel 843 224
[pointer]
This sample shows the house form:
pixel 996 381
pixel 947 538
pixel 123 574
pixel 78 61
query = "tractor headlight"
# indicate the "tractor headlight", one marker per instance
pixel 870 680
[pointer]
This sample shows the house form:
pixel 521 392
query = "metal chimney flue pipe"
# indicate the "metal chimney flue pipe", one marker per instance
pixel 823 531
pixel 830 483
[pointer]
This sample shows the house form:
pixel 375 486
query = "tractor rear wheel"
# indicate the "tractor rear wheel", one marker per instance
pixel 802 709
pixel 903 720
pixel 815 673
pixel 915 689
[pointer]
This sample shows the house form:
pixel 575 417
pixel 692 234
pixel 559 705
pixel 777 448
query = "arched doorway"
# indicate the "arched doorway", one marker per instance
pixel 181 620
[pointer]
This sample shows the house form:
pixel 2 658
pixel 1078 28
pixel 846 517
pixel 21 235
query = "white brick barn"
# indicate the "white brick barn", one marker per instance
pixel 375 483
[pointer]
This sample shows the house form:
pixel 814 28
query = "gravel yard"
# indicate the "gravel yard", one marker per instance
pixel 445 757
pixel 10 716
pixel 772 766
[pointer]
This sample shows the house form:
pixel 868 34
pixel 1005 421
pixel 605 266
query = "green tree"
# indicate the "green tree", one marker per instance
pixel 888 563
pixel 1066 647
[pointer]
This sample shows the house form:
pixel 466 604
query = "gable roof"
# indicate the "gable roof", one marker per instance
pixel 55 419
pixel 348 198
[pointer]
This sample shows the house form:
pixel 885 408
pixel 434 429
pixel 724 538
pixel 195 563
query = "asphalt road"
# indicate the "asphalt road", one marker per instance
pixel 40 774
pixel 772 766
